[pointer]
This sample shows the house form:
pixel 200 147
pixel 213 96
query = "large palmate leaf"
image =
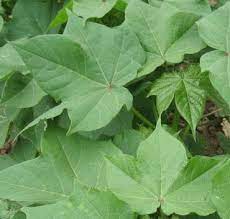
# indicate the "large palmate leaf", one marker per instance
pixel 221 191
pixel 90 82
pixel 166 39
pixel 161 176
pixel 215 31
pixel 191 6
pixel 31 18
pixel 92 9
pixel 189 96
pixel 50 179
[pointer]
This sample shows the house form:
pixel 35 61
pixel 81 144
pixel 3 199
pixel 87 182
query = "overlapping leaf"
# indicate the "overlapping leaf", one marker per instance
pixel 50 180
pixel 189 96
pixel 161 176
pixel 215 31
pixel 89 82
pixel 166 33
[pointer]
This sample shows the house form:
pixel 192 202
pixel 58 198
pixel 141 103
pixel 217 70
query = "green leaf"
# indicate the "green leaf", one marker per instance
pixel 64 160
pixel 215 31
pixel 92 87
pixel 92 9
pixel 27 21
pixel 84 204
pixel 167 39
pixel 161 176
pixel 50 179
pixel 189 96
pixel 221 191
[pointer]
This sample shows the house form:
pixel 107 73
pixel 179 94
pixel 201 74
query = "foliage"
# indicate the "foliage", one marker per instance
pixel 106 106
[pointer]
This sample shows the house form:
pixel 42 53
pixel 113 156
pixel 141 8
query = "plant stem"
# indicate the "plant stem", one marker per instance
pixel 142 118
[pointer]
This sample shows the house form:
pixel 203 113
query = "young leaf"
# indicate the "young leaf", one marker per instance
pixel 166 39
pixel 162 177
pixel 221 191
pixel 215 31
pixel 93 9
pixel 92 86
pixel 189 96
pixel 83 204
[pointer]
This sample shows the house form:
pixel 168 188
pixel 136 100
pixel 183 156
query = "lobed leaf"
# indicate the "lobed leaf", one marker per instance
pixel 161 176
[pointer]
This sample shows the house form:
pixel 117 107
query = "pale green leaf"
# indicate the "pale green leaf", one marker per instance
pixel 92 87
pixel 215 31
pixel 161 176
pixel 166 39
pixel 189 96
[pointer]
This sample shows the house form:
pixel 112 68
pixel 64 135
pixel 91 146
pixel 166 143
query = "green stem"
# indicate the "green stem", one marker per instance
pixel 142 118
